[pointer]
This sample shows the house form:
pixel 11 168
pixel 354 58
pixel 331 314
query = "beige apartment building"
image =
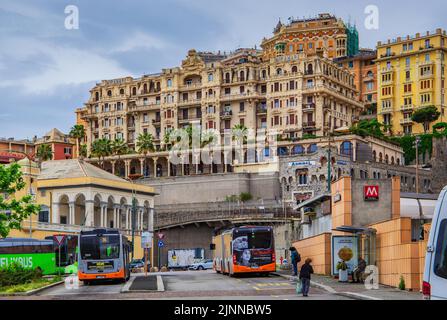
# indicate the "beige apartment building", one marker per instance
pixel 297 94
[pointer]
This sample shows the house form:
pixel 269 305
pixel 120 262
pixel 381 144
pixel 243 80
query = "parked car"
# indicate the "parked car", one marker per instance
pixel 202 265
pixel 435 273
pixel 138 263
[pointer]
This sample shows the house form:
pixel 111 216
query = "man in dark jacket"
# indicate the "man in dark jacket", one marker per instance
pixel 358 272
pixel 306 271
pixel 295 259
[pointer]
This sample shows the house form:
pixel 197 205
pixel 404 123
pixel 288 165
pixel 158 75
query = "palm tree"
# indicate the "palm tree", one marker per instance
pixel 101 148
pixel 83 150
pixel 44 152
pixel 240 133
pixel 207 137
pixel 77 132
pixel 145 144
pixel 119 147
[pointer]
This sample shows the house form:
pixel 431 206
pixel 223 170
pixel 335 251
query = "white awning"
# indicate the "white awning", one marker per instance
pixel 417 208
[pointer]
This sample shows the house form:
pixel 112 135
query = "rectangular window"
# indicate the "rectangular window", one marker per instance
pixel 440 265
pixel 241 107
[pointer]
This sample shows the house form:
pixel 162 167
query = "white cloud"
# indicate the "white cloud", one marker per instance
pixel 140 40
pixel 67 66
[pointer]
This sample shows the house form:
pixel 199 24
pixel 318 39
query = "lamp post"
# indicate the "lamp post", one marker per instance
pixel 416 142
pixel 27 156
pixel 134 212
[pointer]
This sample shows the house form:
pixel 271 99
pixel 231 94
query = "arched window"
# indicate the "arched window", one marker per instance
pixel 282 151
pixel 109 93
pixel 310 68
pixel 145 88
pixel 279 71
pixel 398 161
pixel 374 156
pixel 392 160
pixel 264 74
pixel 312 148
pixel 294 69
pixel 298 149
pixel 323 161
pixel 121 91
pixel 96 96
pixel 227 77
pixel 242 76
pixel 301 175
pixel 352 173
pixel 369 74
pixel 380 157
pixel 386 158
pixel 346 148
pixel 134 91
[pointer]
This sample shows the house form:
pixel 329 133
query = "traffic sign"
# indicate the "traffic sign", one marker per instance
pixel 161 244
pixel 59 238
pixel 146 240
pixel 160 235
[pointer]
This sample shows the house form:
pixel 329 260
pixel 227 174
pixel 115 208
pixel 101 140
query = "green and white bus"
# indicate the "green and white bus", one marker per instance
pixel 34 253
pixel 29 253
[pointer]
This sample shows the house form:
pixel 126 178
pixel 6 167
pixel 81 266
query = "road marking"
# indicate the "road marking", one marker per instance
pixel 256 288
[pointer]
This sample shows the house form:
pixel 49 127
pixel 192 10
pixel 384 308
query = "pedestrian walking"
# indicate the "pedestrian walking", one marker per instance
pixel 295 259
pixel 305 272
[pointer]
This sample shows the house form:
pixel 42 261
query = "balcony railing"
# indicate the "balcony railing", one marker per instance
pixel 309 124
pixel 406 121
pixel 308 107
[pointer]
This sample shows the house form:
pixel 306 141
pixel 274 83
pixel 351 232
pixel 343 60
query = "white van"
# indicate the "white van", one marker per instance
pixel 435 273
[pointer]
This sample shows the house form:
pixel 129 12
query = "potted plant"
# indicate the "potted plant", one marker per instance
pixel 342 269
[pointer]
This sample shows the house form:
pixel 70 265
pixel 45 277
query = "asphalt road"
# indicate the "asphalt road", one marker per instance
pixel 193 285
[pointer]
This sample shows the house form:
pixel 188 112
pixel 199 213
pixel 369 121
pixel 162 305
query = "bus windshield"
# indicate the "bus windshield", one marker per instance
pixel 94 247
pixel 247 239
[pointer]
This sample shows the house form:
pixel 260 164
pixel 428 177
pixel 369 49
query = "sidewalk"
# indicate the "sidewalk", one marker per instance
pixel 355 290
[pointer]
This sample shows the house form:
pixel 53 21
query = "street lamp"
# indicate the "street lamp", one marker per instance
pixel 134 211
pixel 416 142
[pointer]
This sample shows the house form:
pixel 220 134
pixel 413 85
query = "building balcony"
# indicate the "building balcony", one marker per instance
pixel 405 108
pixel 309 107
pixel 261 109
pixel 406 121
pixel 226 114
pixel 156 121
pixel 309 125
pixel 386 110
pixel 191 86
pixel 189 102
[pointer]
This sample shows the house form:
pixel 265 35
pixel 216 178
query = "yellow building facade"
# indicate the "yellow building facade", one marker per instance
pixel 411 75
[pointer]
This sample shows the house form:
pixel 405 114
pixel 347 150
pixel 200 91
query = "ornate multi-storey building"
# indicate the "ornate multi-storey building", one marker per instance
pixel 411 75
pixel 297 94
pixel 310 35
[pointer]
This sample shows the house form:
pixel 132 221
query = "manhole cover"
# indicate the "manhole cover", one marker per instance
pixel 144 283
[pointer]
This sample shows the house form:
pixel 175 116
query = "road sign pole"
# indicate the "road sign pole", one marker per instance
pixel 59 266
pixel 145 261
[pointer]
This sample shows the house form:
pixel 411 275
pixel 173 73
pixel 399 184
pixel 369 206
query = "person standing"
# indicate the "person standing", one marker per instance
pixel 295 259
pixel 305 272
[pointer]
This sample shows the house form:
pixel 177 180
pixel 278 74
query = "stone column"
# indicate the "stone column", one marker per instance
pixel 55 212
pixel 116 216
pixel 103 215
pixel 169 167
pixel 127 168
pixel 127 218
pixel 155 166
pixel 142 167
pixel 89 213
pixel 71 213
pixel 112 162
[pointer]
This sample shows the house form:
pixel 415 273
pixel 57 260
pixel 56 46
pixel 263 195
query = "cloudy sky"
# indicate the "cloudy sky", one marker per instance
pixel 46 71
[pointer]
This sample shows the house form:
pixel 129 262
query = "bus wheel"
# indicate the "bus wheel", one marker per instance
pixel 86 282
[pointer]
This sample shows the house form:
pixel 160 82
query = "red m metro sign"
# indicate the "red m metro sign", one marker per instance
pixel 371 193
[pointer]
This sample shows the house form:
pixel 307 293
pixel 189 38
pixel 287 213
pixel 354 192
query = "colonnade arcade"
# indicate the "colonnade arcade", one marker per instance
pixel 102 209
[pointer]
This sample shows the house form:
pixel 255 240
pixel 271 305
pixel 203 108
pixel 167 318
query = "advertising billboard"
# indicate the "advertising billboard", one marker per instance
pixel 344 248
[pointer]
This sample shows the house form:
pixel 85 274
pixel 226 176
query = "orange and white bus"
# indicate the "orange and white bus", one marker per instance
pixel 247 249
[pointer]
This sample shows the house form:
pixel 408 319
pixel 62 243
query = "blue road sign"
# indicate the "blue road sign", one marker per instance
pixel 161 243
